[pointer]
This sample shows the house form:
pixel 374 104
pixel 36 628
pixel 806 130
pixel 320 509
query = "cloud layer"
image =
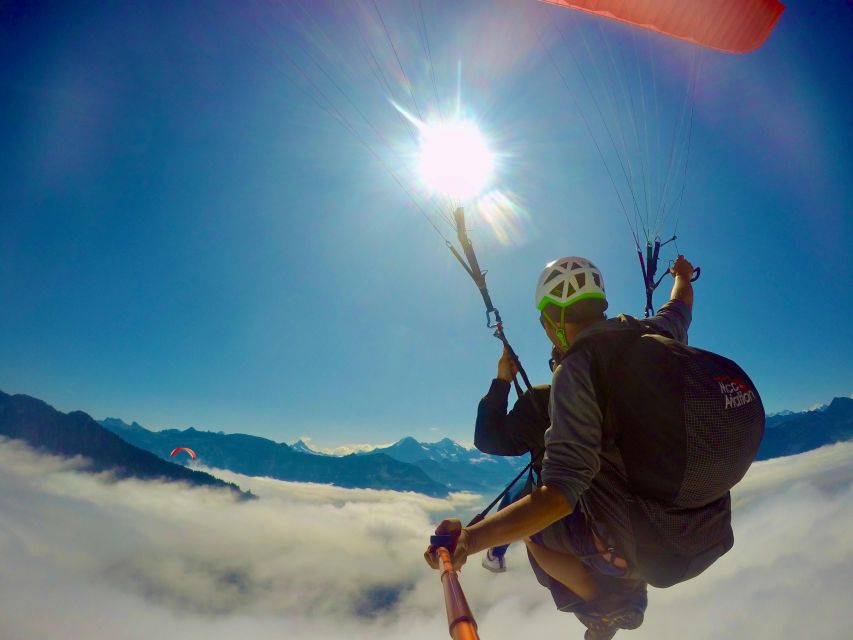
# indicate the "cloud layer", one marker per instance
pixel 82 556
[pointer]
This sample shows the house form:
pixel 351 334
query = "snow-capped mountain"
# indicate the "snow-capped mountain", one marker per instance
pixel 806 430
pixel 460 468
pixel 303 447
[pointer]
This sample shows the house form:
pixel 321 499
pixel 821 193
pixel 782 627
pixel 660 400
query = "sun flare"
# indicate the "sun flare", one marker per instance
pixel 455 159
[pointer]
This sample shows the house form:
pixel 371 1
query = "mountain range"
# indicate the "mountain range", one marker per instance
pixel 407 465
pixel 77 434
pixel 255 456
pixel 460 468
pixel 791 433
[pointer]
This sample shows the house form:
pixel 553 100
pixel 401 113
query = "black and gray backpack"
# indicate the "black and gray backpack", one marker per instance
pixel 687 424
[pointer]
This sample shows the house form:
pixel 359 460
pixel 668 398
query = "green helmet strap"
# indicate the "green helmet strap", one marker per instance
pixel 558 329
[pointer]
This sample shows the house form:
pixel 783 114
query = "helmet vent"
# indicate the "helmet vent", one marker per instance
pixel 552 275
pixel 570 290
pixel 597 279
pixel 581 280
pixel 557 291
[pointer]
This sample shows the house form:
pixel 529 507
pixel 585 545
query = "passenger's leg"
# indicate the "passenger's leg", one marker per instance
pixel 565 568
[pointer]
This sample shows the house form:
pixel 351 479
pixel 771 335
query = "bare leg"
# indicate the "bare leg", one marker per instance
pixel 565 568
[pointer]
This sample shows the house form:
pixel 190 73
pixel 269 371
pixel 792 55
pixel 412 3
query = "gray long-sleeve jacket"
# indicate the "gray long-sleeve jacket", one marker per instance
pixel 574 450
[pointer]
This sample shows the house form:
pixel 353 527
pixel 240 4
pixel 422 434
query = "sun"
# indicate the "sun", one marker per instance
pixel 455 159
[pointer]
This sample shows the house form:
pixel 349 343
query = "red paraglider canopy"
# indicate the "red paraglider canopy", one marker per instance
pixel 736 26
pixel 188 450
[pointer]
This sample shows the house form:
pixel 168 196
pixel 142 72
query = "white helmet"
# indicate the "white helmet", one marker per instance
pixel 568 281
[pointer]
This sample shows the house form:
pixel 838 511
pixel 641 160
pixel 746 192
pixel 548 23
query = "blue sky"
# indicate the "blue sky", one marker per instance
pixel 190 238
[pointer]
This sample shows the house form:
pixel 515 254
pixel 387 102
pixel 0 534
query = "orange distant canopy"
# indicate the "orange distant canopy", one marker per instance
pixel 188 450
pixel 736 26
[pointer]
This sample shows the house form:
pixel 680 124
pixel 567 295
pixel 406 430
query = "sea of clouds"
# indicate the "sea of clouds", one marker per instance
pixel 83 556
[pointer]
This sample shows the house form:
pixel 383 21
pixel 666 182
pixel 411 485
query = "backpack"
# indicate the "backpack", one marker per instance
pixel 687 424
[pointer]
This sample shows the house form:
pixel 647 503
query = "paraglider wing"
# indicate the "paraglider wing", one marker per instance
pixel 736 26
pixel 188 450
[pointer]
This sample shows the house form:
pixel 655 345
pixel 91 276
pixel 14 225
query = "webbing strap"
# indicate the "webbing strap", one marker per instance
pixel 472 267
pixel 533 459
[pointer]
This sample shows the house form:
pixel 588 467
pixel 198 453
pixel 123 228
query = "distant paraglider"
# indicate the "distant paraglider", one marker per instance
pixel 188 450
